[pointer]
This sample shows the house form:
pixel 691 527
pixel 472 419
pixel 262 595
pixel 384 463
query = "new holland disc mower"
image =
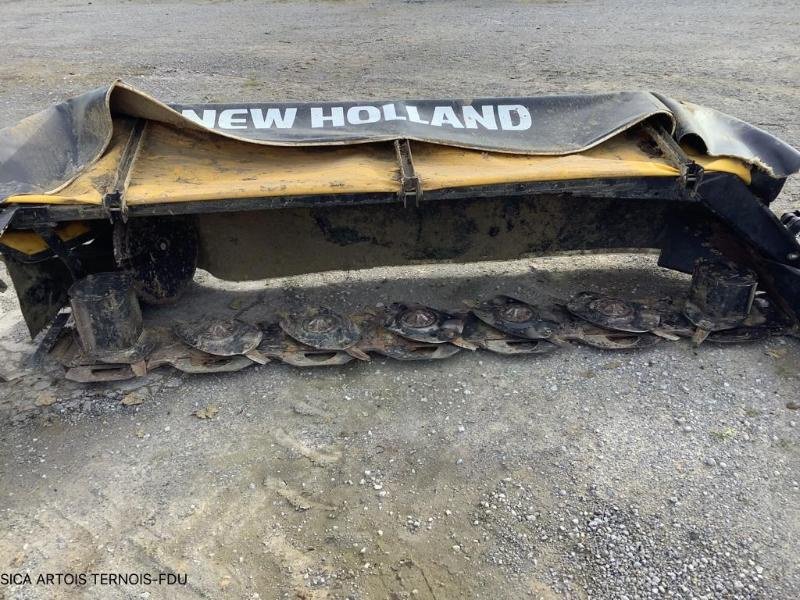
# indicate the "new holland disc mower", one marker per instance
pixel 113 199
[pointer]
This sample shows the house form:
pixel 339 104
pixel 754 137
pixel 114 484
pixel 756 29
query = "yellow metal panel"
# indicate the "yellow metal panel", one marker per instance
pixel 30 243
pixel 725 165
pixel 444 167
pixel 180 166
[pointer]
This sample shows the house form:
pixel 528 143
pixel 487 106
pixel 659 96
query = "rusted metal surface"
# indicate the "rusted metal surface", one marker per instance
pixel 172 351
pixel 375 338
pixel 276 343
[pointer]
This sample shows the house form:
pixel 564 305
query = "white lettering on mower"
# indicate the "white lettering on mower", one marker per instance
pixel 492 117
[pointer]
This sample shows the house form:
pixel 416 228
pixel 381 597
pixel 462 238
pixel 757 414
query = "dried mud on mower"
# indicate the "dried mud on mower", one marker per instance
pixel 322 337
pixel 113 198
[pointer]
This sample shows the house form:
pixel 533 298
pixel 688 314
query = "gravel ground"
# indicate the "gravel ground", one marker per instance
pixel 670 472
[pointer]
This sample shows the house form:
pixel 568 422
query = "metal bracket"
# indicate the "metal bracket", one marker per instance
pixel 115 207
pixel 691 173
pixel 66 254
pixel 114 199
pixel 50 338
pixel 410 184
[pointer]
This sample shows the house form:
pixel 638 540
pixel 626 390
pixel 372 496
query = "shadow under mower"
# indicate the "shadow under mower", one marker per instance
pixel 112 198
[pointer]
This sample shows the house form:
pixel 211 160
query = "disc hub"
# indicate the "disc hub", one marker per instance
pixel 516 313
pixel 418 318
pixel 320 324
pixel 611 307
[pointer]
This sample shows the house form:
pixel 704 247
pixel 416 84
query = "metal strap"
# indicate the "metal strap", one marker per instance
pixel 67 255
pixel 114 199
pixel 410 184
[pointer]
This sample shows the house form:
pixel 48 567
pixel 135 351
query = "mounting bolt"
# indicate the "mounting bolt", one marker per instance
pixel 792 256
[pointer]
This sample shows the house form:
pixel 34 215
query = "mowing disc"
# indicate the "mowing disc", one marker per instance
pixel 175 353
pixel 478 333
pixel 324 329
pixel 276 343
pixel 613 313
pixel 516 318
pixel 738 335
pixel 221 338
pixel 387 343
pixel 422 323
pixel 606 339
